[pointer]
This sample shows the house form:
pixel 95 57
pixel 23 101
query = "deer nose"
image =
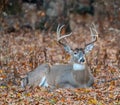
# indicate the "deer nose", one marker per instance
pixel 82 60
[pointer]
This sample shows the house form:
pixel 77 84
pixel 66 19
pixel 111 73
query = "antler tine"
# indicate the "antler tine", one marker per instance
pixel 58 33
pixel 94 34
pixel 59 37
pixel 93 31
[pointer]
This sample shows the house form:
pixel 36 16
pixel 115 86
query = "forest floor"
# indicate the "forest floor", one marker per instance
pixel 24 50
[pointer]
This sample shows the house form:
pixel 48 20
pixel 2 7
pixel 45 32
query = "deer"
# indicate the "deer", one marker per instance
pixel 75 74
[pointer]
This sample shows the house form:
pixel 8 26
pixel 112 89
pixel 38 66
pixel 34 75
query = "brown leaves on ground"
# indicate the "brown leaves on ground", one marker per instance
pixel 41 96
pixel 23 51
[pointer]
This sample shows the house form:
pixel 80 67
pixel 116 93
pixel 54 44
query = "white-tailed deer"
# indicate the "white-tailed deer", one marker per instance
pixel 72 75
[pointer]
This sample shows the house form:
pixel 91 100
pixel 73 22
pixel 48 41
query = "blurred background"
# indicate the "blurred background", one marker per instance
pixel 47 14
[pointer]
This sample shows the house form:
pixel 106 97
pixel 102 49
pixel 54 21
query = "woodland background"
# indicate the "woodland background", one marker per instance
pixel 28 39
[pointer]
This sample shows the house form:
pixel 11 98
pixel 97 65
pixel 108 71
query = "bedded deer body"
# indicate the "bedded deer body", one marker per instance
pixel 72 75
pixel 64 76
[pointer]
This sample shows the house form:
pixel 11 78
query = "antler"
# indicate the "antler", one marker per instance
pixel 59 38
pixel 94 33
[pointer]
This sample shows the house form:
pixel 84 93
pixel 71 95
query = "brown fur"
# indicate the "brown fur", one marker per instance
pixel 62 75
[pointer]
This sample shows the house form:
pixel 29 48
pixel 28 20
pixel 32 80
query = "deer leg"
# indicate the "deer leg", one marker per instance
pixel 91 81
pixel 33 78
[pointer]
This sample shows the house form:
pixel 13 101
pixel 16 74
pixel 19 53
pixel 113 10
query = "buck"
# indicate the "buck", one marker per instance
pixel 75 74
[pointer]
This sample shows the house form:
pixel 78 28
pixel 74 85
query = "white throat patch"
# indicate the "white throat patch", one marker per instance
pixel 78 67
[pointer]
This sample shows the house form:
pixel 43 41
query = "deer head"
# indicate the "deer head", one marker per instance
pixel 78 55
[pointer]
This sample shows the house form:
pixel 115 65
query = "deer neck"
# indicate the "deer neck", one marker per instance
pixel 78 67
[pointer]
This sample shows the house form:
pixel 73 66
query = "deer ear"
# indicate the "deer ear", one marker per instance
pixel 68 49
pixel 88 48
